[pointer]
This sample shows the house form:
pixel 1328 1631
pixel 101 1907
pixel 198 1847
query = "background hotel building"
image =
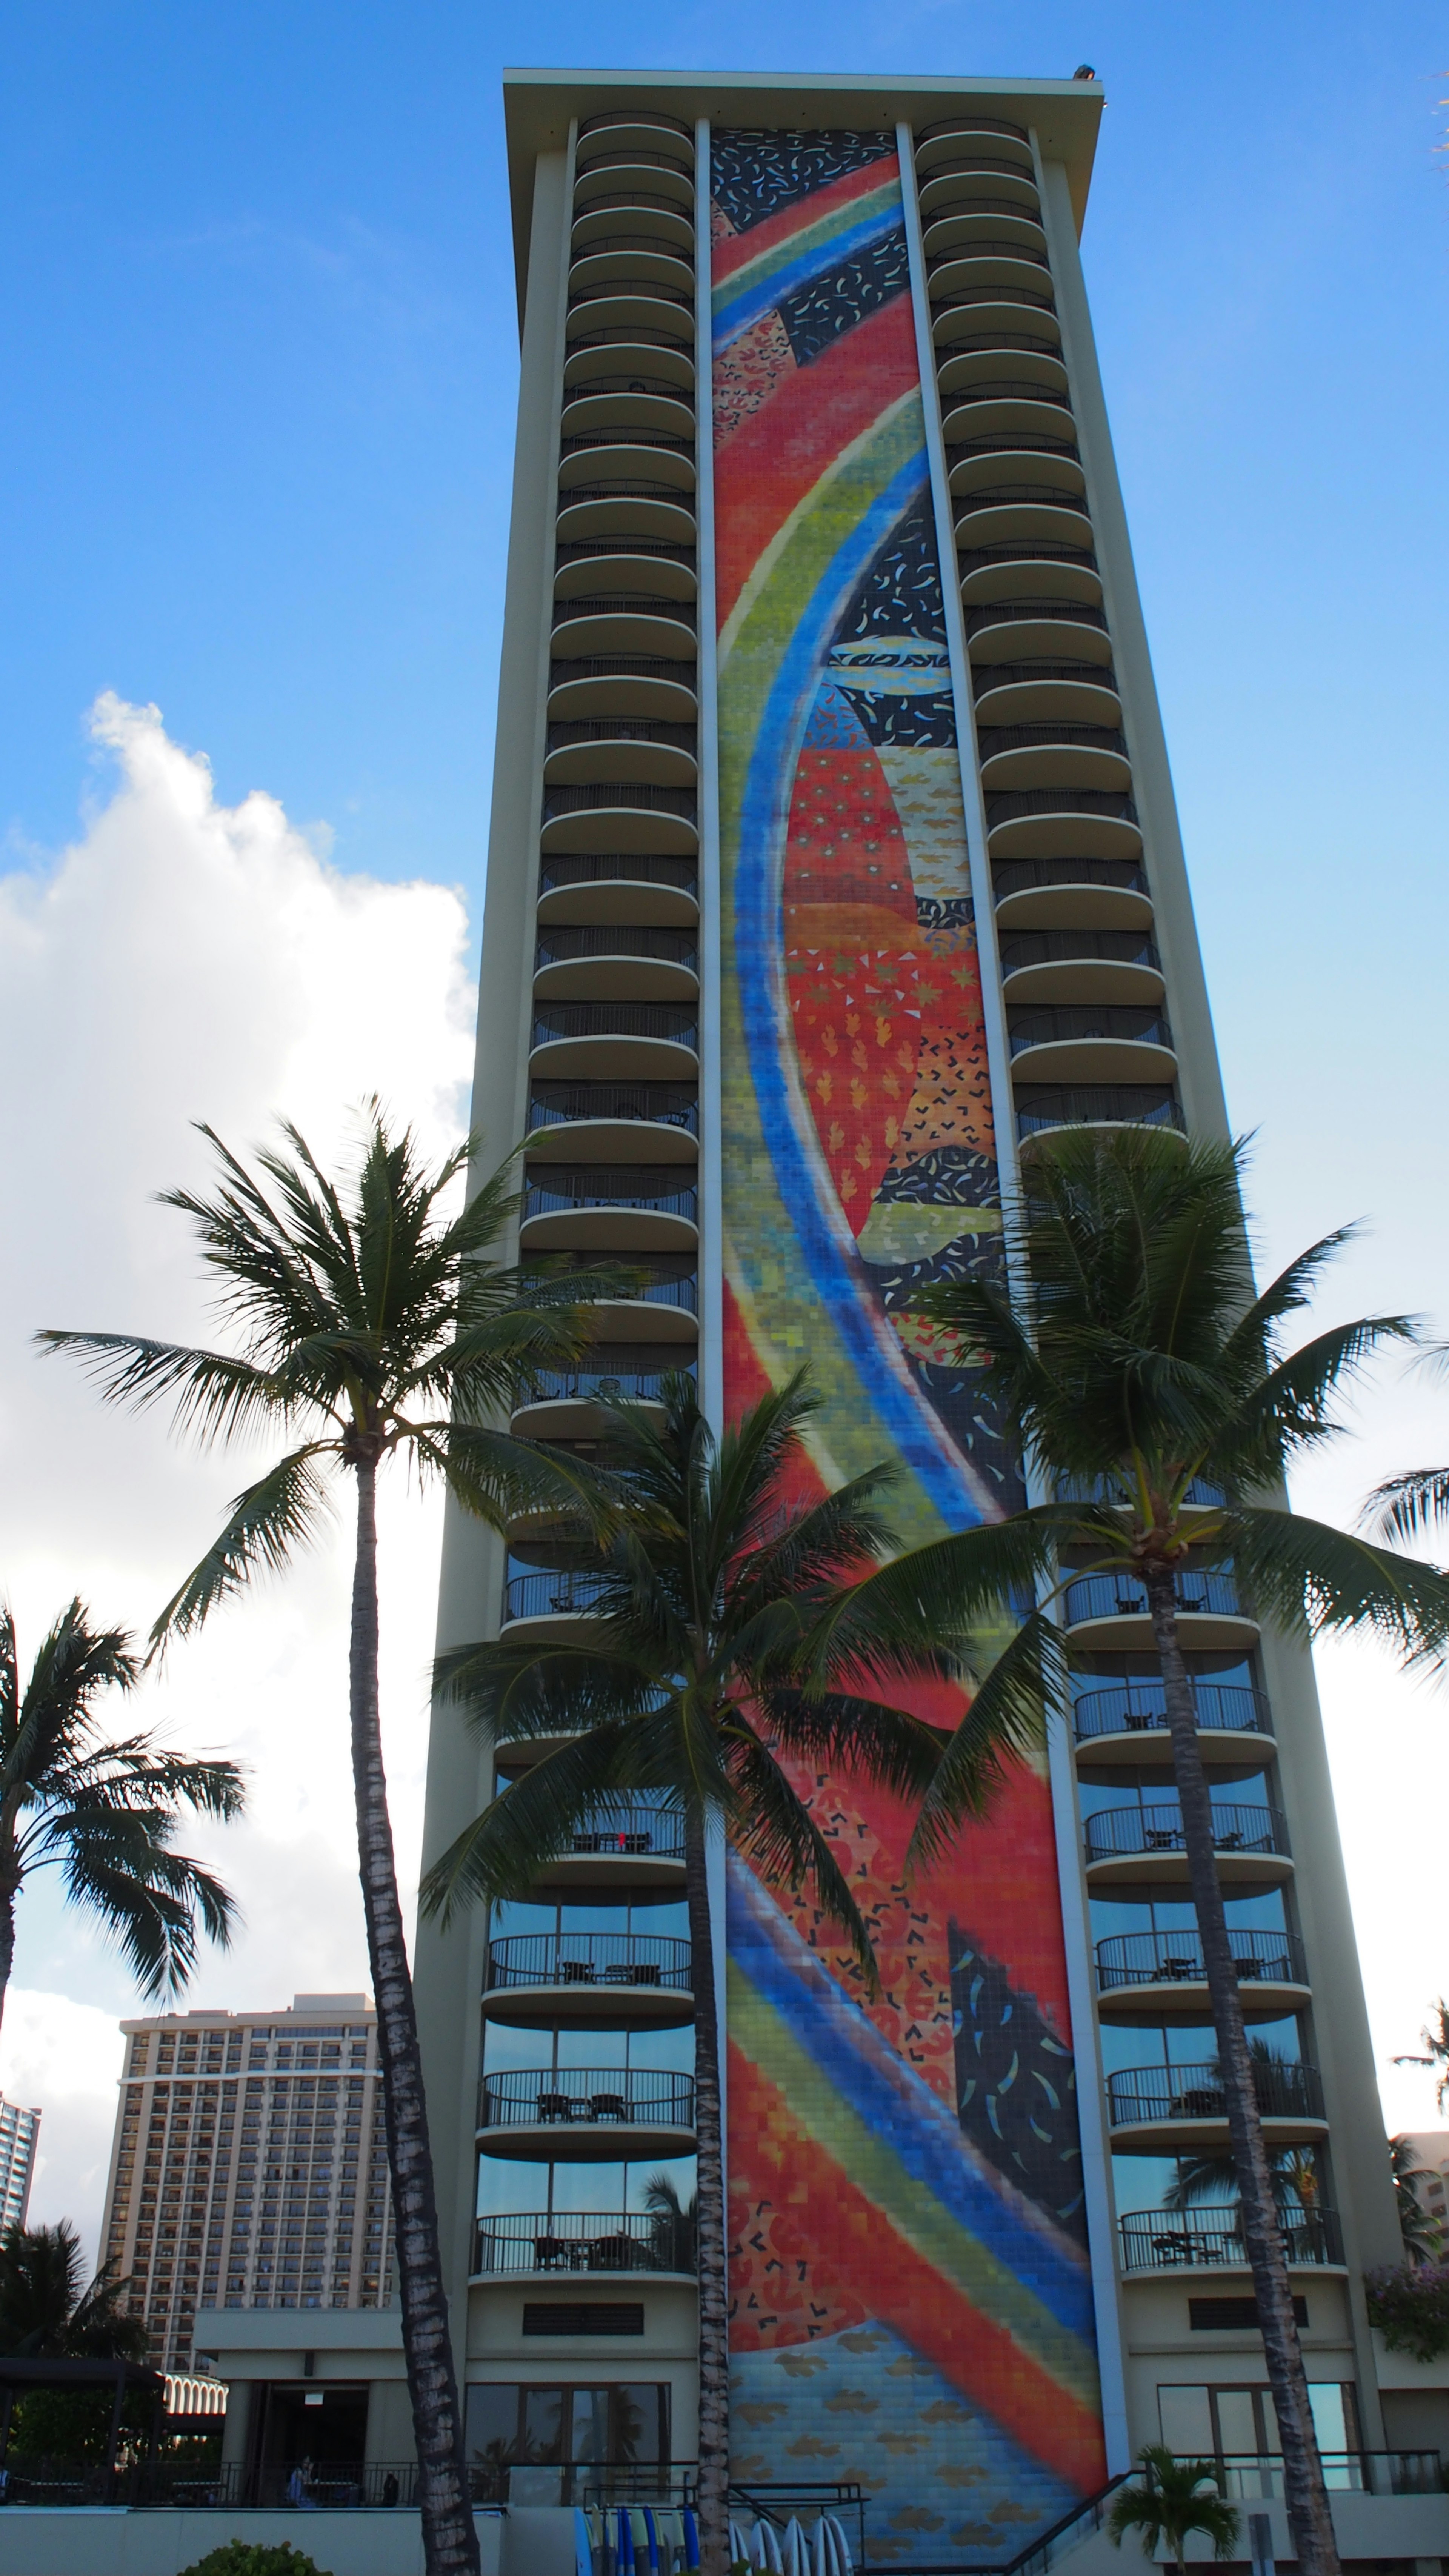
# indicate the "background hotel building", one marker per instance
pixel 833 860
pixel 19 2141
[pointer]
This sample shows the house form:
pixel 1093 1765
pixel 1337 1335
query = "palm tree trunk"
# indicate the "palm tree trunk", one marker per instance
pixel 714 2360
pixel 1305 2494
pixel 450 2538
pixel 7 1942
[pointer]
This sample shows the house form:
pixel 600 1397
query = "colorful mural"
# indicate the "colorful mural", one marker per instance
pixel 911 2300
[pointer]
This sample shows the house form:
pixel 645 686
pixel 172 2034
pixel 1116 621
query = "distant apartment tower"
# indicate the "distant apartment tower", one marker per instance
pixel 249 2168
pixel 834 864
pixel 19 2138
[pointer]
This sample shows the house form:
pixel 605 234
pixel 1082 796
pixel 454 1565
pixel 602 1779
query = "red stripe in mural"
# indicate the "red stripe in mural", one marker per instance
pixel 730 252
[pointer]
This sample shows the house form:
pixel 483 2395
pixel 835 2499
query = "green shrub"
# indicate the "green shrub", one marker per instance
pixel 1409 2304
pixel 248 2558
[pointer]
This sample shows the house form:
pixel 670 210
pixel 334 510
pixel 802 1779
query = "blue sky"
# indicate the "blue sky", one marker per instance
pixel 260 357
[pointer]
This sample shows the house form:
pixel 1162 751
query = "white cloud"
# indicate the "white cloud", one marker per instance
pixel 64 2057
pixel 186 960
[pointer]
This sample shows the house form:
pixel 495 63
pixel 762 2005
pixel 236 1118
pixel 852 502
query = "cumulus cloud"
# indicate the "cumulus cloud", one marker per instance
pixel 188 960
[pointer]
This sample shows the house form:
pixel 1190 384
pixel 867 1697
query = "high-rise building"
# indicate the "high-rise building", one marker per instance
pixel 249 2166
pixel 833 861
pixel 19 2140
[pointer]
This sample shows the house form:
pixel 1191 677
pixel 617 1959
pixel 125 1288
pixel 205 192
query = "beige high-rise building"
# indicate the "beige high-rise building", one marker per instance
pixel 19 2141
pixel 249 2167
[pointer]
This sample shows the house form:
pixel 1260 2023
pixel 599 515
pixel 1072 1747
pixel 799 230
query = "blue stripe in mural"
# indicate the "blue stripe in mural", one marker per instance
pixel 825 1243
pixel 737 315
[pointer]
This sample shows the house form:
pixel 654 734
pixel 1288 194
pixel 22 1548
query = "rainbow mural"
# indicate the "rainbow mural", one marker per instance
pixel 911 2297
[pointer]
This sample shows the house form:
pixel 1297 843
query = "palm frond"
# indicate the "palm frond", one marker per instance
pixel 1407 1507
pixel 218 1396
pixel 776 1833
pixel 1005 1721
pixel 1313 1579
pixel 267 1523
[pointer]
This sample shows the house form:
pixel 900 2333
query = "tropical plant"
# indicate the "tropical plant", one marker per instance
pixel 371 1324
pixel 254 2558
pixel 1176 2497
pixel 676 2223
pixel 735 1636
pixel 1293 2172
pixel 105 1813
pixel 1421 2231
pixel 1409 2304
pixel 1151 1392
pixel 1435 2036
pixel 48 2311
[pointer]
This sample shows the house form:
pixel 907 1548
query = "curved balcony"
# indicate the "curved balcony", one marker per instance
pixel 624 622
pixel 622 684
pixel 662 317
pixel 551 1605
pixel 1014 267
pixel 582 2241
pixel 622 415
pixel 590 750
pixel 626 1846
pixel 1146 1847
pixel 638 175
pixel 615 362
pixel 946 138
pixel 1011 629
pixel 637 567
pixel 1162 2240
pixel 627 508
pixel 664 1300
pixel 631 810
pixel 972 176
pixel 638 212
pixel 1108 1612
pixel 1080 966
pixel 1037 693
pixel 621 257
pixel 1010 519
pixel 603 1120
pixel 589 2114
pixel 1071 893
pixel 992 364
pixel 1051 755
pixel 569 1404
pixel 985 220
pixel 647 127
pixel 1160 1977
pixel 588 1980
pixel 1075 1043
pixel 618 886
pixel 1032 822
pixel 1002 311
pixel 1124 1724
pixel 1168 2107
pixel 610 1208
pixel 640 1041
pixel 576 962
pixel 1038 1112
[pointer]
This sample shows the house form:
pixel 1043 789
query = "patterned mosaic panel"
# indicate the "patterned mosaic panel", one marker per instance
pixel 910 2291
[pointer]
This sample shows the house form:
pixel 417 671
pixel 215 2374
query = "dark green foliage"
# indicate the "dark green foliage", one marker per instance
pixel 1176 2497
pixel 254 2558
pixel 46 2309
pixel 1409 2304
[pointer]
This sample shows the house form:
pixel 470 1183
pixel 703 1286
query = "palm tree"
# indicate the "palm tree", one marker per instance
pixel 46 2308
pixel 1176 2497
pixel 676 2223
pixel 371 1325
pixel 736 1631
pixel 1149 1386
pixel 103 1812
pixel 1422 2233
pixel 1435 2037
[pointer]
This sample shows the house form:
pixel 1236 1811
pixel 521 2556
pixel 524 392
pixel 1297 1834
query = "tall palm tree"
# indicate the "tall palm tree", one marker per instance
pixel 370 1324
pixel 1435 2036
pixel 1423 2234
pixel 1149 1387
pixel 1176 2497
pixel 105 1813
pixel 737 1633
pixel 47 2309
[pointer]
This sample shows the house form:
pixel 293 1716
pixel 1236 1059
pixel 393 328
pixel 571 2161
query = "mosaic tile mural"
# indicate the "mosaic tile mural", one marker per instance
pixel 911 2300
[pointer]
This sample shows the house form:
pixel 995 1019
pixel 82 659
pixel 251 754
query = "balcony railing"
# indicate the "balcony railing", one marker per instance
pixel 639 1382
pixel 1167 2240
pixel 1248 2477
pixel 1020 550
pixel 560 737
pixel 611 118
pixel 624 603
pixel 630 1828
pixel 1134 1708
pixel 628 157
pixel 1117 1596
pixel 593 549
pixel 1122 1833
pixel 615 939
pixel 1119 1105
pixel 1031 298
pixel 1003 496
pixel 628 1960
pixel 603 2096
pixel 1025 344
pixel 1175 1958
pixel 584 442
pixel 676 1022
pixel 624 795
pixel 1071 947
pixel 575 2240
pixel 192 2487
pixel 1034 612
pixel 1079 1020
pixel 1286 2090
pixel 1111 806
pixel 612 201
pixel 1007 389
pixel 1037 737
pixel 667 1281
pixel 562 1595
pixel 1025 876
pixel 656 1187
pixel 973 124
pixel 982 246
pixel 658 1104
pixel 602 244
pixel 604 867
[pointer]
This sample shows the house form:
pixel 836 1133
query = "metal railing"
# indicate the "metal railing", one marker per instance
pixel 1122 1833
pixel 1134 1708
pixel 608 867
pixel 614 939
pixel 1005 389
pixel 591 442
pixel 1020 550
pixel 625 487
pixel 617 603
pixel 644 290
pixel 630 335
pixel 1124 1105
pixel 1009 442
pixel 611 118
pixel 999 496
pixel 648 243
pixel 623 1960
pixel 1035 737
pixel 622 796
pixel 1285 2088
pixel 1011 807
pixel 628 157
pixel 657 1104
pixel 1024 876
pixel 973 124
pixel 667 1280
pixel 1166 2240
pixel 1021 344
pixel 986 676
pixel 1175 1958
pixel 981 166
pixel 580 2240
pixel 614 201
pixel 600 2096
pixel 1052 947
pixel 647 1186
pixel 1117 1596
pixel 1008 292
pixel 680 737
pixel 1036 612
pixel 677 1022
pixel 572 550
pixel 189 2487
pixel 561 1595
pixel 636 381
pixel 631 1382
pixel 1078 1020
pixel 1246 2477
pixel 982 246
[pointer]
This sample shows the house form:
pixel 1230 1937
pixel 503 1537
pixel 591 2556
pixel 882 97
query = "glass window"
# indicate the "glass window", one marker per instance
pixel 542 2436
pixel 1237 2421
pixel 1187 2422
